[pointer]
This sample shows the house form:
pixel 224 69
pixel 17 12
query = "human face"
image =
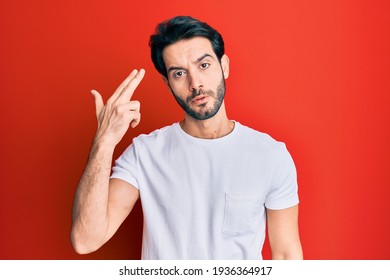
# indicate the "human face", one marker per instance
pixel 196 77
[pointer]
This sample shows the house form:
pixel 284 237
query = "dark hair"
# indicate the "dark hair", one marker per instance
pixel 182 28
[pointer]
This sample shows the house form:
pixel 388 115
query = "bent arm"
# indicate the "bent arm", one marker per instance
pixel 101 204
pixel 283 234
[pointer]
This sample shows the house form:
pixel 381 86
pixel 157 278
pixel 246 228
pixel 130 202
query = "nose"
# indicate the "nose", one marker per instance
pixel 195 81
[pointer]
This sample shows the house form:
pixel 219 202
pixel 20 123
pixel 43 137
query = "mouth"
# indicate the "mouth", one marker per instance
pixel 199 99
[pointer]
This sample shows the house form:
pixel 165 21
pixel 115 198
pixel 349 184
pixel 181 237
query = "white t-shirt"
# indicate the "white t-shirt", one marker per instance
pixel 206 198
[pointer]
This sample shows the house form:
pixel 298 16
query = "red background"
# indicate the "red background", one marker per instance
pixel 314 74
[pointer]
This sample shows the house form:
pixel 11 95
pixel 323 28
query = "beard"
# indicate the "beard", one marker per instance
pixel 204 112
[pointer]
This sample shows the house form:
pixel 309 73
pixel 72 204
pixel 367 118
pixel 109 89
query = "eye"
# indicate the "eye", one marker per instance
pixel 204 65
pixel 178 74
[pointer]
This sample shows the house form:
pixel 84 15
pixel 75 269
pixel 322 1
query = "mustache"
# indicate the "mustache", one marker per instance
pixel 197 92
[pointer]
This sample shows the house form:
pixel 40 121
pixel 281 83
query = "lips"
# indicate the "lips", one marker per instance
pixel 199 99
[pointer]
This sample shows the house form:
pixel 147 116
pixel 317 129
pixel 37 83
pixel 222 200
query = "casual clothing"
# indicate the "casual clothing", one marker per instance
pixel 206 198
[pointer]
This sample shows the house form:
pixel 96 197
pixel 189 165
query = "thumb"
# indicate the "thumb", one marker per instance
pixel 98 102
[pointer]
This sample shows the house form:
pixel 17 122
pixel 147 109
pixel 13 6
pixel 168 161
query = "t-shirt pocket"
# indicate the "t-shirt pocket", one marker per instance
pixel 242 213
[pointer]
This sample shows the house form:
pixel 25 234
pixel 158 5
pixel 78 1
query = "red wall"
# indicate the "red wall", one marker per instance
pixel 314 74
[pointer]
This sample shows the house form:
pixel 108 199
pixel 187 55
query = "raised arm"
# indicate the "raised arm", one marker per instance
pixel 101 205
pixel 283 234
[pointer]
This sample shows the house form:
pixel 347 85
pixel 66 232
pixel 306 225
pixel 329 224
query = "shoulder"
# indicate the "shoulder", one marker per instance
pixel 156 137
pixel 250 136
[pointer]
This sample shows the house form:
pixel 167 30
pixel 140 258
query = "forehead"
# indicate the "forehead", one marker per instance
pixel 186 51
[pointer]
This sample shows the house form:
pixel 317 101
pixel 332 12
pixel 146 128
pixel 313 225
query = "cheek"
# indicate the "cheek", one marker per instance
pixel 217 73
pixel 176 88
pixel 212 81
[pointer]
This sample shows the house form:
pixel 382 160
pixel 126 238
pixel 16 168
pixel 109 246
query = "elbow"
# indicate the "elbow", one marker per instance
pixel 80 249
pixel 287 256
pixel 80 245
pixel 292 253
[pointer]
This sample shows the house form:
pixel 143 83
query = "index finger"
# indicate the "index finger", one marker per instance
pixel 129 89
pixel 119 90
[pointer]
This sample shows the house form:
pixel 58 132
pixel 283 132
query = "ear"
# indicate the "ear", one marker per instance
pixel 225 66
pixel 167 83
pixel 165 80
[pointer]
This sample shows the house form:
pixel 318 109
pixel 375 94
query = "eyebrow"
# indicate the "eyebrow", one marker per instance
pixel 173 68
pixel 203 57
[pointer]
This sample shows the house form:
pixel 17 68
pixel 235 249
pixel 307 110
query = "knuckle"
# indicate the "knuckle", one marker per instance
pixel 136 103
pixel 133 115
pixel 119 111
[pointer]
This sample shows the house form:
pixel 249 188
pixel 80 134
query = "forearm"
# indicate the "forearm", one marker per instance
pixel 90 221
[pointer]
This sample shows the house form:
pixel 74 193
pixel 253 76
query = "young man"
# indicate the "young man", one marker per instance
pixel 207 184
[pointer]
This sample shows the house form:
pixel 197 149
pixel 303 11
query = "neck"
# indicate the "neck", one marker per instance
pixel 215 127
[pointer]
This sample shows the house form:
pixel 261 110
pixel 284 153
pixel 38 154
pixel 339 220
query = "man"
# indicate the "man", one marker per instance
pixel 207 184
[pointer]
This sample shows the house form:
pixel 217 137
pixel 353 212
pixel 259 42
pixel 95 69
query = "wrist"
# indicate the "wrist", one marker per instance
pixel 101 144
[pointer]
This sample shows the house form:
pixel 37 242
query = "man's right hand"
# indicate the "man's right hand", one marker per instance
pixel 120 111
pixel 101 204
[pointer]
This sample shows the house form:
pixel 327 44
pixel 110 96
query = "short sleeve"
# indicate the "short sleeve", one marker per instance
pixel 125 167
pixel 284 187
